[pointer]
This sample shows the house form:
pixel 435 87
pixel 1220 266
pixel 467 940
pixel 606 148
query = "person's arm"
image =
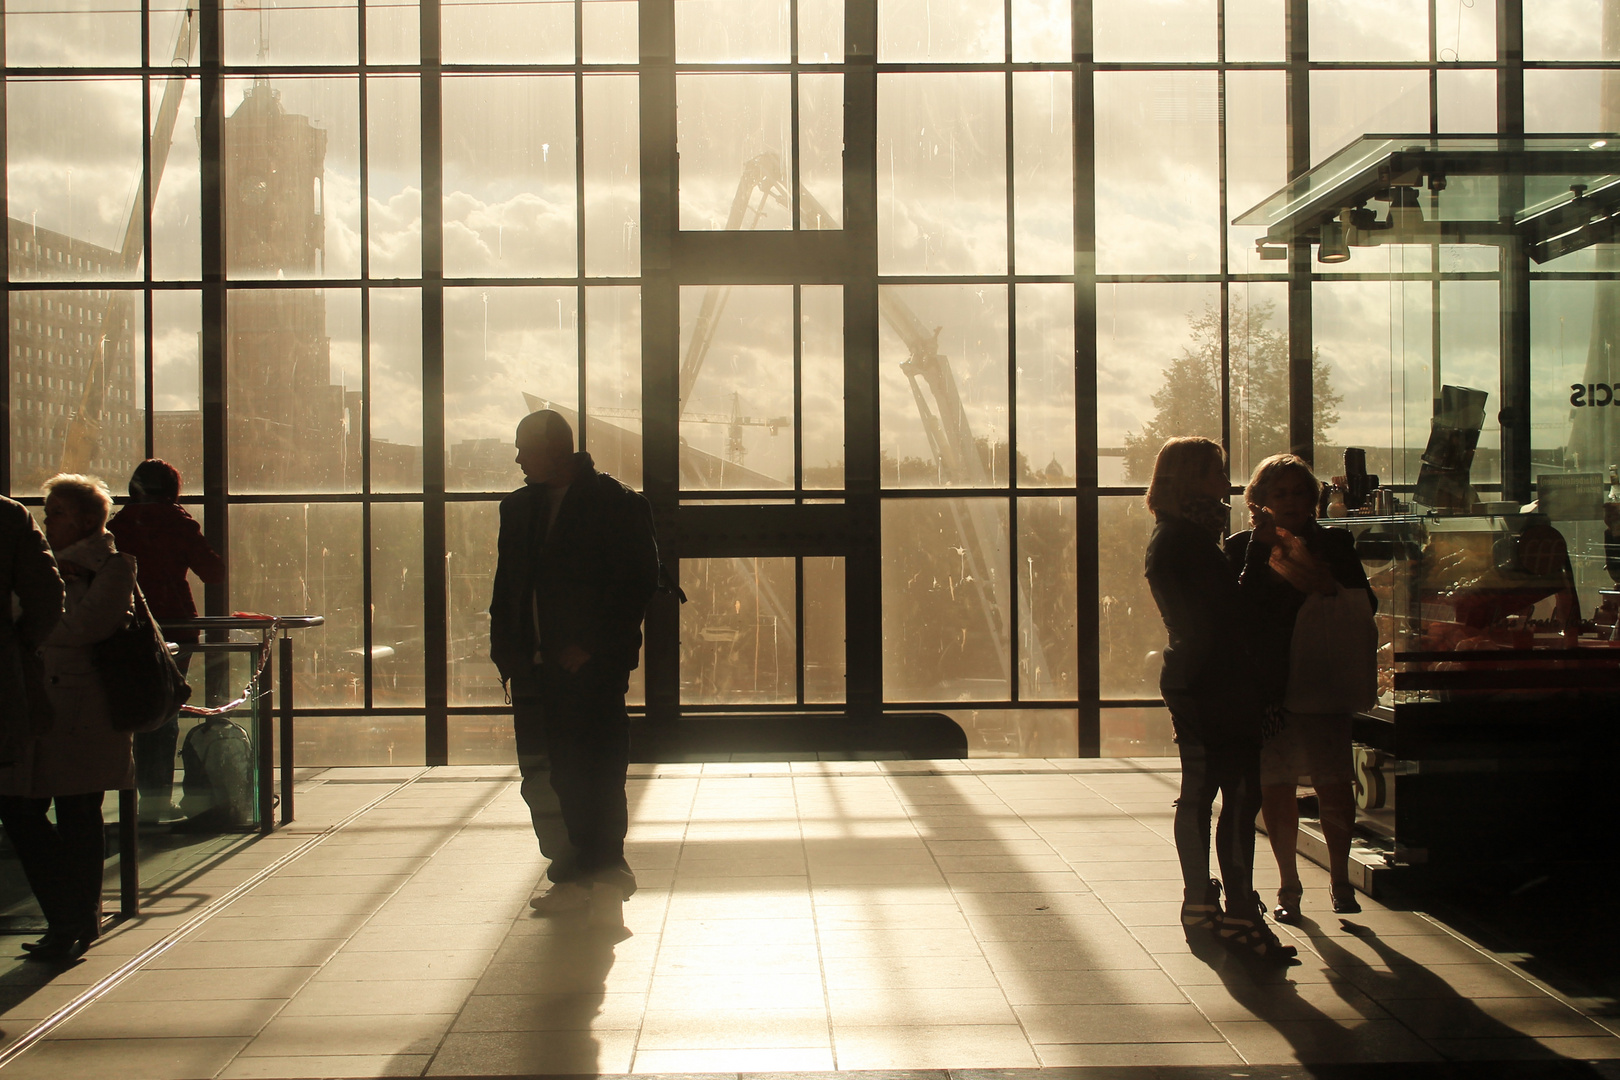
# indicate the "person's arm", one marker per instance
pixel 201 559
pixel 1346 564
pixel 38 585
pixel 631 572
pixel 104 609
pixel 505 639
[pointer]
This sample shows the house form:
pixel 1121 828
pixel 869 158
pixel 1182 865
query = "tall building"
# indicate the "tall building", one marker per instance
pixel 73 378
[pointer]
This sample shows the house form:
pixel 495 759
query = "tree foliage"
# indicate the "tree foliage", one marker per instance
pixel 1189 401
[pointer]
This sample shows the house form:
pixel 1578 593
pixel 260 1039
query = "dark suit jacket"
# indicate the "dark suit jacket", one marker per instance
pixel 587 584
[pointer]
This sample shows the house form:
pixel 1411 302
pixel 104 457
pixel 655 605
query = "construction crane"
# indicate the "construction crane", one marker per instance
pixel 82 444
pixel 934 389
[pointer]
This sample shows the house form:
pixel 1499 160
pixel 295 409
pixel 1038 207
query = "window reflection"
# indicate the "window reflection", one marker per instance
pixel 738 632
pixel 733 136
pixel 1130 633
pixel 395 402
pixel 737 387
pixel 398 656
pixel 940 31
pixel 731 31
pixel 824 630
pixel 1048 642
pixel 612 176
pixel 1046 385
pixel 292 32
pixel 1155 30
pixel 470 532
pixel 1043 172
pixel 177 385
pixel 73 33
pixel 612 428
pixel 521 31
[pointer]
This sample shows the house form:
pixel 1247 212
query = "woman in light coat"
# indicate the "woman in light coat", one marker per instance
pixel 80 757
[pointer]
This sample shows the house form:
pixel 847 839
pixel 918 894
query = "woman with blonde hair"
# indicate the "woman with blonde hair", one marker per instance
pixel 1208 684
pixel 1285 558
pixel 79 758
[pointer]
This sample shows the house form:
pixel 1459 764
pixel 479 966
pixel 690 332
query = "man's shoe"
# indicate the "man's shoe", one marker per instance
pixel 568 896
pixel 607 906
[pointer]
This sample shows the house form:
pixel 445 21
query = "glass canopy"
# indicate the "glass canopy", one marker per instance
pixel 1559 192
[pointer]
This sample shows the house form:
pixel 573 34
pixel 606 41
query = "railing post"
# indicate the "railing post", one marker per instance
pixel 129 854
pixel 286 729
pixel 264 730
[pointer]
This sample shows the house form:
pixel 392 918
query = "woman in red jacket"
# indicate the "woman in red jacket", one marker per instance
pixel 166 542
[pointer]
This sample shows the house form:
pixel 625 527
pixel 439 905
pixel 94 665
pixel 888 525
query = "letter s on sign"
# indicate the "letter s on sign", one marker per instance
pixel 1578 398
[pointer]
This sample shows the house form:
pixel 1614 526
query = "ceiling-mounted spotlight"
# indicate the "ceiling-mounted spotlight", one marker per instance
pixel 1332 248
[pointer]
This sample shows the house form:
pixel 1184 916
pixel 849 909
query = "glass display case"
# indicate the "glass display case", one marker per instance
pixel 1499 681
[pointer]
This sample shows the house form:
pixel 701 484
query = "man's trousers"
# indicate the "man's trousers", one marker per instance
pixel 573 744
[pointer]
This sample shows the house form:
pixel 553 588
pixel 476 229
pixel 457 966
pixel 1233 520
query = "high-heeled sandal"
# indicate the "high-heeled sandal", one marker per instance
pixel 1344 899
pixel 1287 909
pixel 1201 909
pixel 1250 937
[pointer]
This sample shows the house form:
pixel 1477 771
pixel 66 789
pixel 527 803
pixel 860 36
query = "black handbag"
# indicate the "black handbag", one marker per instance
pixel 143 685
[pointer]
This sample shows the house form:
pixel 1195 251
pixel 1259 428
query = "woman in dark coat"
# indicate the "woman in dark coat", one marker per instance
pixel 79 758
pixel 1208 684
pixel 1284 558
pixel 166 542
pixel 28 576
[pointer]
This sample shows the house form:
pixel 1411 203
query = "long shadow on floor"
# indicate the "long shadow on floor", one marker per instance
pixel 1393 1013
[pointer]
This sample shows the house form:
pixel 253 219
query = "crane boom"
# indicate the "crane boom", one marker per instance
pixel 83 439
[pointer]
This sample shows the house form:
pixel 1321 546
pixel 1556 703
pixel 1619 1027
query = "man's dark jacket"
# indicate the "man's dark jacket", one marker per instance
pixel 590 580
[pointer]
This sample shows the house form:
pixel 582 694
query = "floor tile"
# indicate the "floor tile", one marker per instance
pixel 335 998
pixel 375 1036
pixel 357 1067
pixel 1115 1023
pixel 1311 1041
pixel 469 1053
pixel 1136 1055
pixel 750 1029
pixel 1000 1046
pixel 915 1006
pixel 163 1019
pixel 126 1059
pixel 551 1012
pixel 729 1060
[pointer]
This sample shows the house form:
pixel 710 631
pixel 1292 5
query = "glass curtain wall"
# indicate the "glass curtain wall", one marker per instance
pixel 322 257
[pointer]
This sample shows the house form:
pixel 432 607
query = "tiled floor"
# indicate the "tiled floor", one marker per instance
pixel 792 917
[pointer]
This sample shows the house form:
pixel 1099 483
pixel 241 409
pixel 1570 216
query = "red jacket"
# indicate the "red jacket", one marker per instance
pixel 166 542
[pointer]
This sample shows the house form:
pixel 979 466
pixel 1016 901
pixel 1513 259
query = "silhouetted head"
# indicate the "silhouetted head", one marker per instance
pixel 154 481
pixel 1187 470
pixel 545 447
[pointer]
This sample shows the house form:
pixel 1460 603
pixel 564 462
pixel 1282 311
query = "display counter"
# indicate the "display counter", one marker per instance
pixel 1499 676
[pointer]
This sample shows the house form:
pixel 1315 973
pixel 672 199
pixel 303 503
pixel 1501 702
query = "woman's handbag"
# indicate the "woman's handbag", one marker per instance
pixel 1333 657
pixel 143 684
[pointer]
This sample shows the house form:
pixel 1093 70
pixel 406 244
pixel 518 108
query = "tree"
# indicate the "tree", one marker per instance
pixel 1189 401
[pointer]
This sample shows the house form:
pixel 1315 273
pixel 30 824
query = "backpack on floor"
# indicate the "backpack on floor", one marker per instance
pixel 218 760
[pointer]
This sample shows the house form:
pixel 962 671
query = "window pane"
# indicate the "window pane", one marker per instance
pixel 943 389
pixel 1158 202
pixel 393 32
pixel 821 387
pixel 613 381
pixel 1566 100
pixel 1143 732
pixel 396 390
pixel 1043 173
pixel 824 630
pixel 293 390
pixel 1466 30
pixel 737 632
pixel 1130 632
pixel 507 352
pixel 1574 341
pixel 482 740
pixel 509 176
pixel 940 31
pixel 176 383
pixel 1467 101
pixel 945 632
pixel 74 358
pixel 1256 157
pixel 942 187
pixel 1048 637
pixel 305 560
pixel 1345 105
pixel 292 177
pixel 1255 30
pixel 1375 341
pixel 1040 31
pixel 470 531
pixel 611 31
pixel 731 31
pixel 1162 30
pixel 737 386
pixel 73 33
pixel 394 192
pixel 821 31
pixel 397 641
pixel 612 176
pixel 732 137
pixel 336 741
pixel 1386 30
pixel 73 164
pixel 176 234
pixel 821 151
pixel 490 31
pixel 1258 359
pixel 1046 385
pixel 1470 355
pixel 1569 30
pixel 293 32
pixel 1158 374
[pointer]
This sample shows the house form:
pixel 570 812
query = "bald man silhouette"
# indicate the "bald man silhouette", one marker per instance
pixel 577 563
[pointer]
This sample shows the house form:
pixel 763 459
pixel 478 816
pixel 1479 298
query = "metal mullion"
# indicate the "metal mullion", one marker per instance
pixel 1014 608
pixel 793 141
pixel 798 393
pixel 435 593
pixel 367 546
pixel 147 435
pixel 798 630
pixel 5 321
pixel 1087 592
pixel 580 359
pixel 1225 236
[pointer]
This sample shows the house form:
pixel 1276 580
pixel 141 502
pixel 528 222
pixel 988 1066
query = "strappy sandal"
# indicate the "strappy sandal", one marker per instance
pixel 1344 899
pixel 1201 909
pixel 1251 938
pixel 1287 909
